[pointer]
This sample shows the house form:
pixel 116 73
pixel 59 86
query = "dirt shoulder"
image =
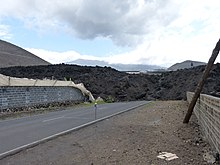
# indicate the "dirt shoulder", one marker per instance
pixel 135 137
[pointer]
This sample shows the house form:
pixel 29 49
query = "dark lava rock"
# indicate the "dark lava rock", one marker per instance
pixel 111 84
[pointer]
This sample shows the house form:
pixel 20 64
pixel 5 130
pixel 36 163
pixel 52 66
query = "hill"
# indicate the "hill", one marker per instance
pixel 12 55
pixel 119 67
pixel 110 84
pixel 185 64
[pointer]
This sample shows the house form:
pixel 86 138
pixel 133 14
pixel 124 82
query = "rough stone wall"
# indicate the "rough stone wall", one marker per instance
pixel 207 110
pixel 18 97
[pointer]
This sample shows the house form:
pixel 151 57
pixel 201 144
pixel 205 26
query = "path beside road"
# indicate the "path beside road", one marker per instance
pixel 134 137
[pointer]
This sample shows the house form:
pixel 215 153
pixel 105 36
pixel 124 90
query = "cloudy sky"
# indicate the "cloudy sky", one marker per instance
pixel 159 32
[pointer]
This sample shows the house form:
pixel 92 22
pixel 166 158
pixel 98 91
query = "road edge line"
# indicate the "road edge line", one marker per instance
pixel 35 143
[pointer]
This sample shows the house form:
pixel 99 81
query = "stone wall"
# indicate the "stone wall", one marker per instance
pixel 19 97
pixel 207 110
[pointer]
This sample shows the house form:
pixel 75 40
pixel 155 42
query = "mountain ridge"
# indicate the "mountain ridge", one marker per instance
pixel 117 66
pixel 185 64
pixel 13 55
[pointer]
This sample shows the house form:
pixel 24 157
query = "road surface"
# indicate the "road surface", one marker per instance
pixel 20 132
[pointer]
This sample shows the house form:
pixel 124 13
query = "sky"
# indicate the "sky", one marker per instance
pixel 156 32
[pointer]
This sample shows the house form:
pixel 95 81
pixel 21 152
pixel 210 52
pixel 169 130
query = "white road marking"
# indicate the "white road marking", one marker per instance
pixel 84 118
pixel 53 119
pixel 29 145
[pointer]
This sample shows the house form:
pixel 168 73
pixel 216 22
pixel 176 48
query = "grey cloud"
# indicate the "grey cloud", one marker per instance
pixel 126 22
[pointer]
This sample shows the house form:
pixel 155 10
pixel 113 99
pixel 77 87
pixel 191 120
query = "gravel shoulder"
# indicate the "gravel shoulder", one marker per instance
pixel 135 137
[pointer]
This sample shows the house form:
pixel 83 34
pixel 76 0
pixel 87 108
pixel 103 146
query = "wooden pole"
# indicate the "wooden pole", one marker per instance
pixel 202 82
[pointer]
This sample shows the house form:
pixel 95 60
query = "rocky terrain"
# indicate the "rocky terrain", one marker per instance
pixel 113 85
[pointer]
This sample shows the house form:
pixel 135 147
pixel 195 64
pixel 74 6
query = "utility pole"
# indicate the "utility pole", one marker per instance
pixel 201 83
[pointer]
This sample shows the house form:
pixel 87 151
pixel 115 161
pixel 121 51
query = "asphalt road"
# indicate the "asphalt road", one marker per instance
pixel 20 132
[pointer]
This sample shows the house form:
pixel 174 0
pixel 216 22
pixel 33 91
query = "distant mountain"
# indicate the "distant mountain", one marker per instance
pixel 89 62
pixel 185 64
pixel 119 67
pixel 12 55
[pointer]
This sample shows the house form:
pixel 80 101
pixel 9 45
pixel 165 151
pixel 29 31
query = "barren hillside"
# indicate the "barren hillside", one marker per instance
pixel 12 55
pixel 185 64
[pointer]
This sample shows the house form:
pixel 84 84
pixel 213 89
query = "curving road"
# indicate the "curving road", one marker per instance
pixel 17 134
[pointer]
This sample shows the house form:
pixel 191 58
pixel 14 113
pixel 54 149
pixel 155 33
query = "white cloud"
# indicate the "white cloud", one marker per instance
pixel 125 22
pixel 4 32
pixel 160 32
pixel 60 57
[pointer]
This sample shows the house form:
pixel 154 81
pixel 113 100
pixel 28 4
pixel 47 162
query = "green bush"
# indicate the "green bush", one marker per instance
pixel 110 99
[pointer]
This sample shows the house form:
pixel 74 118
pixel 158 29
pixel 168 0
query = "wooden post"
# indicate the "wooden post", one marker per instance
pixel 202 82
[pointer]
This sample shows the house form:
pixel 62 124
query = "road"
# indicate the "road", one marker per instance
pixel 20 132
